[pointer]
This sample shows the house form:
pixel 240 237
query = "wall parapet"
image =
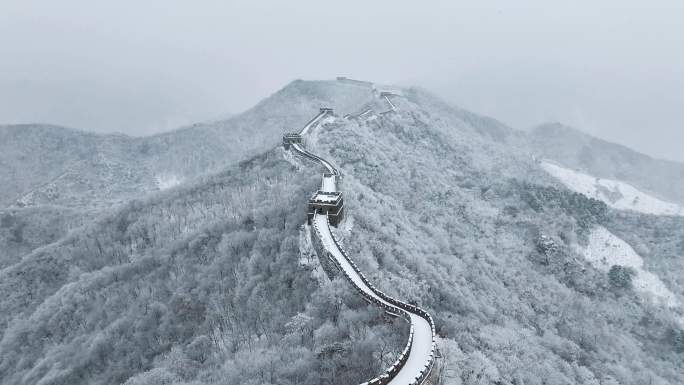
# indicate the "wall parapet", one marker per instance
pixel 403 306
pixel 330 266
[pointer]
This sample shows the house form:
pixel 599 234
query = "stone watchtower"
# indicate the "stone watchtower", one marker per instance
pixel 290 138
pixel 326 203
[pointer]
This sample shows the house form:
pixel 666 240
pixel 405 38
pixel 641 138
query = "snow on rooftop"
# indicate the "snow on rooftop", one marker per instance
pixel 328 198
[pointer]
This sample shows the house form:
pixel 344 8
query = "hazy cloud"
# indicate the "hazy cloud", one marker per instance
pixel 615 69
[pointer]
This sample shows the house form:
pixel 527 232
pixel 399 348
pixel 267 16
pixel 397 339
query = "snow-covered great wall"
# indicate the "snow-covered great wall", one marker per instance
pixel 415 362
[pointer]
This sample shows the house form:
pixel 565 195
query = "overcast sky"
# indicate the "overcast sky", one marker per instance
pixel 614 69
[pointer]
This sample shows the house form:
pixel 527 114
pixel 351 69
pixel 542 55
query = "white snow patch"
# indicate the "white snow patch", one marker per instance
pixel 167 181
pixel 614 193
pixel 348 223
pixel 329 119
pixel 605 250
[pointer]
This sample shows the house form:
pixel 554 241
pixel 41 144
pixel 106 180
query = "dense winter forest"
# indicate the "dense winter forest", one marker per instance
pixel 212 279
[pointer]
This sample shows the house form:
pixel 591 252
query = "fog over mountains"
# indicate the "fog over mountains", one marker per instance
pixel 545 257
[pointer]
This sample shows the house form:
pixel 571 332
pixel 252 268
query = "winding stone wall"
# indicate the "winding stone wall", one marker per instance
pixel 418 371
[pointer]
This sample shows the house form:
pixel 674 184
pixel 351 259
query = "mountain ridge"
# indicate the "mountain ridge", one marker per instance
pixel 186 151
pixel 203 283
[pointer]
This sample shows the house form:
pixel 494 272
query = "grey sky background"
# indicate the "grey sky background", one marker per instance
pixel 611 68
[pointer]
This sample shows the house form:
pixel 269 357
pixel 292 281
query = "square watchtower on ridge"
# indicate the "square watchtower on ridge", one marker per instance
pixel 290 138
pixel 328 203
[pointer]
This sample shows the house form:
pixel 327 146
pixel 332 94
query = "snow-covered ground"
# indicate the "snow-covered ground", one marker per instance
pixel 167 181
pixel 605 250
pixel 328 184
pixel 614 193
pixel 329 119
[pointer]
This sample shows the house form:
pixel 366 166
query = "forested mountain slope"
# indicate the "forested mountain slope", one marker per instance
pixel 62 172
pixel 203 281
pixel 473 230
pixel 211 282
pixel 50 164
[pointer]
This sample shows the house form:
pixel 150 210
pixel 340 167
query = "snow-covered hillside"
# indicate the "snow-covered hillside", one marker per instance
pixel 605 250
pixel 615 193
pixel 211 281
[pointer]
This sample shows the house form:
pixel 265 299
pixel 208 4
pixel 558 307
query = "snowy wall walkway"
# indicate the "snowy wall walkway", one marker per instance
pixel 415 362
